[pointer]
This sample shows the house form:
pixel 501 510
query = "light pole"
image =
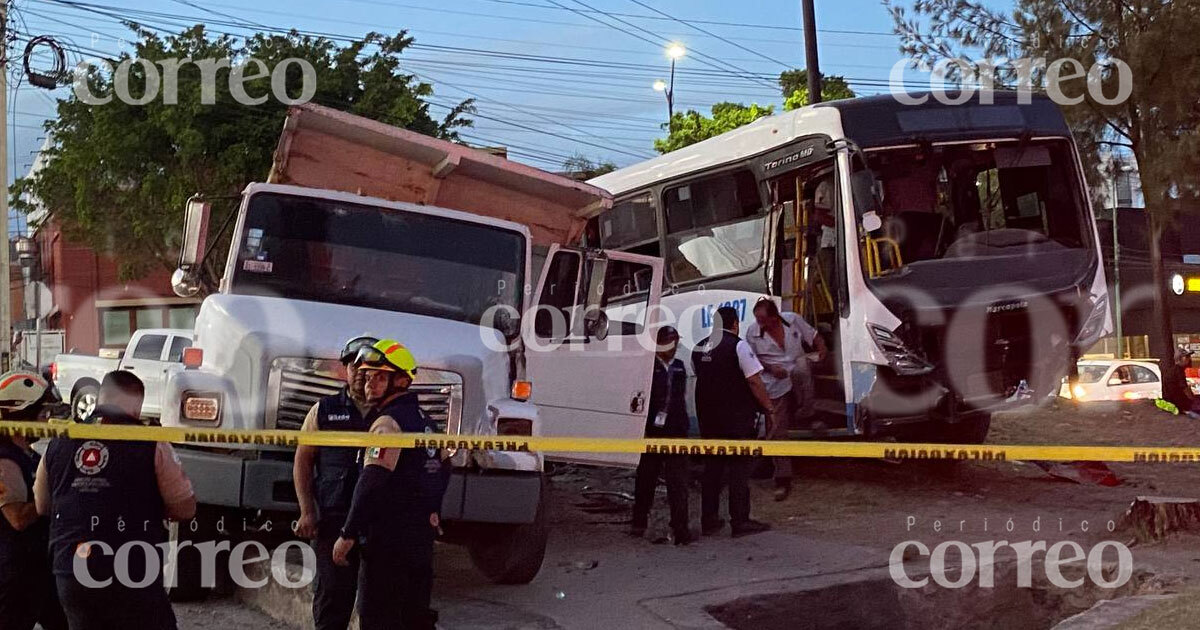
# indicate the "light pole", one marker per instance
pixel 1117 316
pixel 674 52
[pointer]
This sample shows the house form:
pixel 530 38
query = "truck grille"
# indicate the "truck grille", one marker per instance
pixel 295 385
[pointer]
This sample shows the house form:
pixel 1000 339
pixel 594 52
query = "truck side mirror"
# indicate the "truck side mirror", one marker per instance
pixel 186 279
pixel 195 233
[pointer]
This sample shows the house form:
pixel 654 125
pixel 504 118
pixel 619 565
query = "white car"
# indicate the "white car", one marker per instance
pixel 1115 380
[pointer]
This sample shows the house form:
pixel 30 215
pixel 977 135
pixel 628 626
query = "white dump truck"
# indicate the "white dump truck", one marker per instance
pixel 348 238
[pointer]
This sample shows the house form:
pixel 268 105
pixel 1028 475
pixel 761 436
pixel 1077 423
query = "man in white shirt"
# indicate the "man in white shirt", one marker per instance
pixel 778 339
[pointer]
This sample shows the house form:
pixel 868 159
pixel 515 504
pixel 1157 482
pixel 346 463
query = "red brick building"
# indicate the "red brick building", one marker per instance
pixel 92 306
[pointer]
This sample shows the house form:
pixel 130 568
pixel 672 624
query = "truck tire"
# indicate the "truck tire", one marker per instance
pixel 511 554
pixel 84 401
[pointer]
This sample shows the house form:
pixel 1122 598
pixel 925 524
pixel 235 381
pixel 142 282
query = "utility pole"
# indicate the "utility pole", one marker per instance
pixel 813 67
pixel 6 292
pixel 1120 336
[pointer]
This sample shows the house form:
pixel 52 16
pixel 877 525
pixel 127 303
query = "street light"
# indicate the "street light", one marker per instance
pixel 674 52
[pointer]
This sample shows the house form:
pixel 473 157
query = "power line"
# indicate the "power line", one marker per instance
pixel 704 58
pixel 711 34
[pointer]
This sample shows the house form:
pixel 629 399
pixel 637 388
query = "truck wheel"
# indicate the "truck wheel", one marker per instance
pixel 511 554
pixel 83 402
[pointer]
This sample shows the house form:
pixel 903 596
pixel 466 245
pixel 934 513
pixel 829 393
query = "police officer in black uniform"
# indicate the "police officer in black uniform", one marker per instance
pixel 729 394
pixel 27 592
pixel 105 496
pixel 394 513
pixel 667 417
pixel 325 500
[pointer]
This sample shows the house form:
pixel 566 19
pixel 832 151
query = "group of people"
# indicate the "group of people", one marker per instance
pixel 768 373
pixel 373 513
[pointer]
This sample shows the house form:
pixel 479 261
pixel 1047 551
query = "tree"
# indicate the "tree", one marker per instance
pixel 1159 122
pixel 118 175
pixel 587 167
pixel 794 85
pixel 691 126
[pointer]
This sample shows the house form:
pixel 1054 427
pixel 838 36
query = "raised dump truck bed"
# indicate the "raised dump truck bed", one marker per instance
pixel 329 149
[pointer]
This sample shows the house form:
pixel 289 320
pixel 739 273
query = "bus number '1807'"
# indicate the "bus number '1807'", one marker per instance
pixel 706 315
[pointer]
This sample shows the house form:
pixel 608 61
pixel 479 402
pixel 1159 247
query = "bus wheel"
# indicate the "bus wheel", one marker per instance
pixel 970 430
pixel 511 554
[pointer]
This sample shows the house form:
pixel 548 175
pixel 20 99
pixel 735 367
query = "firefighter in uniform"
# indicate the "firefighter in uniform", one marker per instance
pixel 394 512
pixel 325 500
pixel 108 500
pixel 27 593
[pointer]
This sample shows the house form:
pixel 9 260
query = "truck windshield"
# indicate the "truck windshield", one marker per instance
pixel 342 253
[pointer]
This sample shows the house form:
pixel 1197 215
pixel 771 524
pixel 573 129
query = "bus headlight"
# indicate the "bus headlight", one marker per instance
pixel 1093 326
pixel 903 360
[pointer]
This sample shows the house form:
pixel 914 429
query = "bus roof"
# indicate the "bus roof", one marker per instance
pixel 746 141
pixel 872 121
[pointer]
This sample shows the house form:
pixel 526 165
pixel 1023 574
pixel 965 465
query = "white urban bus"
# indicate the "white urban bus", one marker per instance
pixel 947 254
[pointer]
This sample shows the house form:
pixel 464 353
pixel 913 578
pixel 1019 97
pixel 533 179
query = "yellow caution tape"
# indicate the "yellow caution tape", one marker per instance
pixel 870 450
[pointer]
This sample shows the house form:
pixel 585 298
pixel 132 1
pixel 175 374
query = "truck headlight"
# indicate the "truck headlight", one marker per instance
pixel 201 407
pixel 901 359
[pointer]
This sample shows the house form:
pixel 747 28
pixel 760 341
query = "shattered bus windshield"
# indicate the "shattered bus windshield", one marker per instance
pixel 982 199
pixel 947 209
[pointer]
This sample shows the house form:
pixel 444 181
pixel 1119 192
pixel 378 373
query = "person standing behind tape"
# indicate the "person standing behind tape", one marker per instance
pixel 729 394
pixel 667 417
pixel 394 512
pixel 27 592
pixel 778 340
pixel 325 500
pixel 110 497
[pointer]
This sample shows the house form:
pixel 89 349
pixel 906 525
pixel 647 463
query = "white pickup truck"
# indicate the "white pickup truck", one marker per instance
pixel 152 354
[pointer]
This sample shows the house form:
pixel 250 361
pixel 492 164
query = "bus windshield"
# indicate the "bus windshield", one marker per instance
pixel 328 251
pixel 949 208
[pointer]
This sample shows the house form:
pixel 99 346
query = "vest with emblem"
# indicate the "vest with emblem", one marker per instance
pixel 17 549
pixel 415 489
pixel 725 406
pixel 102 491
pixel 337 466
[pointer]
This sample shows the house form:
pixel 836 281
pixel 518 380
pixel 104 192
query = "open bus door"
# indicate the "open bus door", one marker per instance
pixel 590 346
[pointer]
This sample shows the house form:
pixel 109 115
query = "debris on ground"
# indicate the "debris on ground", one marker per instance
pixel 1097 473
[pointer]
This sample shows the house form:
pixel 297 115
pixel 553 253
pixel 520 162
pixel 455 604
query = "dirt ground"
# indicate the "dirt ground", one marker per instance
pixel 879 504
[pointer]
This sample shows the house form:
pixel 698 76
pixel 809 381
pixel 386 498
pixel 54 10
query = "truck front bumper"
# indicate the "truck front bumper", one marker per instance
pixel 476 495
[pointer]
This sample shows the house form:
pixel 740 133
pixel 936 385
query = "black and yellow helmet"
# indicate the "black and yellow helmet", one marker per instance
pixel 350 350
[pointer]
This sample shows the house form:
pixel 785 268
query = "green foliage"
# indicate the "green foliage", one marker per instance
pixel 794 85
pixel 691 126
pixel 117 176
pixel 587 167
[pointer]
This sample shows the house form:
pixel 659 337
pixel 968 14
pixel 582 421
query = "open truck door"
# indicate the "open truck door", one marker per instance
pixel 590 346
